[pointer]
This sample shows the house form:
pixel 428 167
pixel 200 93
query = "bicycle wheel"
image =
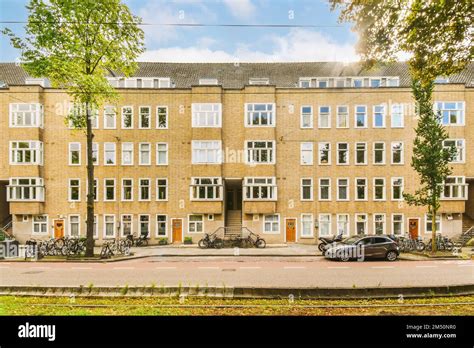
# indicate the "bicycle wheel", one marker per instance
pixel 260 243
pixel 218 243
pixel 449 246
pixel 203 244
pixel 420 246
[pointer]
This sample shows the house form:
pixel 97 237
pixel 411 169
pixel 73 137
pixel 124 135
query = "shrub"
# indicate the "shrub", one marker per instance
pixel 188 240
pixel 163 241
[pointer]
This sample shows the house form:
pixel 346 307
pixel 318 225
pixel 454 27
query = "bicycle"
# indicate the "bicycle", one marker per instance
pixel 254 240
pixel 211 241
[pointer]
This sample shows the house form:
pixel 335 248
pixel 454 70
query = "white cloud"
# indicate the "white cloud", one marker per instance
pixel 298 45
pixel 241 8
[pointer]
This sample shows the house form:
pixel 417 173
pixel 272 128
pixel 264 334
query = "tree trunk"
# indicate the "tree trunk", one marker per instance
pixel 433 230
pixel 90 187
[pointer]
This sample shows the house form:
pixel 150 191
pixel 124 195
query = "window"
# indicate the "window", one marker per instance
pixel 379 116
pixel 271 223
pixel 126 225
pixel 322 83
pixel 324 224
pixel 454 187
pixel 96 226
pixel 127 189
pixel 306 225
pixel 429 223
pixel 74 154
pixel 162 117
pixel 342 189
pixel 95 154
pixel 397 224
pixel 260 152
pixel 379 223
pixel 393 82
pixel 342 153
pixel 208 81
pixel 144 225
pixel 361 153
pixel 379 189
pixel 324 120
pixel 74 190
pixel 452 113
pixel 305 83
pixel 161 154
pixel 144 117
pixel 40 224
pixel 26 189
pixel 343 224
pixel 358 83
pixel 307 189
pixel 379 153
pixel 260 115
pixel 397 189
pixel 26 115
pixel 144 189
pixel 361 116
pixel 161 189
pixel 324 153
pixel 206 188
pixel 259 81
pixel 161 225
pixel 324 189
pixel 397 156
pixel 361 223
pixel 206 152
pixel 206 115
pixel 459 147
pixel 306 150
pixel 145 154
pixel 127 117
pixel 127 154
pixel 109 154
pixel 361 189
pixel 26 152
pixel 375 83
pixel 397 118
pixel 306 116
pixel 195 224
pixel 260 188
pixel 109 226
pixel 110 117
pixel 342 117
pixel 74 225
pixel 109 189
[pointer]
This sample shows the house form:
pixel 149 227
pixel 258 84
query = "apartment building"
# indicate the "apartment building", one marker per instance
pixel 291 151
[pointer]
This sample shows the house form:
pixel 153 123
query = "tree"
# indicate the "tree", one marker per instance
pixel 75 44
pixel 438 37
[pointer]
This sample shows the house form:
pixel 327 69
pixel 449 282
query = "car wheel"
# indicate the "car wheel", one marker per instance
pixel 391 256
pixel 344 258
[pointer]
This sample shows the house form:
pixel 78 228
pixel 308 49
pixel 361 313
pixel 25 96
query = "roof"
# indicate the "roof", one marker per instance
pixel 236 75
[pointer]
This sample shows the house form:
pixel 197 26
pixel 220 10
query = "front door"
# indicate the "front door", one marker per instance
pixel 177 231
pixel 230 200
pixel 290 230
pixel 58 228
pixel 413 228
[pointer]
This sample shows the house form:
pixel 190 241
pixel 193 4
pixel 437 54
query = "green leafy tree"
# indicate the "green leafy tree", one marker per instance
pixel 437 35
pixel 75 44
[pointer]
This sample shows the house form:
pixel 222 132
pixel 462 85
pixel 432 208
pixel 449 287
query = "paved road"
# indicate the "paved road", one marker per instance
pixel 240 271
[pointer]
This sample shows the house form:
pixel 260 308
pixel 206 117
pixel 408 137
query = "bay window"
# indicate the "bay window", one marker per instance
pixel 452 113
pixel 459 149
pixel 206 115
pixel 260 115
pixel 26 189
pixel 454 187
pixel 206 152
pixel 260 188
pixel 260 152
pixel 26 152
pixel 206 188
pixel 26 115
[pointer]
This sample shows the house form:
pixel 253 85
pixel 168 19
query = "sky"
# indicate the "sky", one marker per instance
pixel 325 40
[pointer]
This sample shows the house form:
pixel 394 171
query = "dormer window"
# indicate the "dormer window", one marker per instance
pixel 259 81
pixel 442 79
pixel 207 81
pixel 140 82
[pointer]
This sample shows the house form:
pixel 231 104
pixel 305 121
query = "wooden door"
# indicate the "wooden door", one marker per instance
pixel 177 231
pixel 413 228
pixel 290 230
pixel 58 228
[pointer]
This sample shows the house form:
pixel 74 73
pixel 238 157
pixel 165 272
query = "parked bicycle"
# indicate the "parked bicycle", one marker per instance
pixel 442 243
pixel 408 244
pixel 254 240
pixel 211 241
pixel 142 240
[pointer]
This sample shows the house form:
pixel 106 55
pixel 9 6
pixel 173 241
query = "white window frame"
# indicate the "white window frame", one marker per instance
pixel 37 115
pixel 329 189
pixel 196 223
pixel 460 151
pixel 147 222
pixel 394 114
pixel 340 115
pixel 252 153
pixel 320 144
pixel 365 153
pixel 439 221
pixel 402 224
pixel 460 185
pixel 328 222
pixel 304 115
pixel 96 151
pixel 122 224
pixel 140 186
pixel 347 151
pixel 70 187
pixel 365 117
pixel 105 190
pixel 272 223
pixel 366 225
pixel 384 189
pixel 158 116
pixel 347 224
pixel 195 149
pixel 310 189
pixel 392 188
pixel 384 223
pixel 40 224
pixel 158 151
pixel 271 115
pixel 141 161
pixel 157 224
pixel 402 153
pixel 461 112
pixel 124 150
pixel 114 145
pixel 270 184
pixel 70 151
pixel 384 157
pixel 356 192
pixel 216 185
pixel 306 153
pixel 35 148
pixel 328 114
pixel 141 114
pixel 106 113
pixel 16 190
pixel 347 190
pixel 69 225
pixel 114 222
pixel 383 113
pixel 304 222
pixel 122 123
pixel 213 117
pixel 122 196
pixel 158 186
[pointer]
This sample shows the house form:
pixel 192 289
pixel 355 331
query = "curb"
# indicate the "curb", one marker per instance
pixel 236 292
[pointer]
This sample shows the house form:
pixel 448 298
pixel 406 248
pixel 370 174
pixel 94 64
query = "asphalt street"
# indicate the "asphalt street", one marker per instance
pixel 239 271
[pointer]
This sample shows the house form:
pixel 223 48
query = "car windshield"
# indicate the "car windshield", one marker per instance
pixel 350 240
